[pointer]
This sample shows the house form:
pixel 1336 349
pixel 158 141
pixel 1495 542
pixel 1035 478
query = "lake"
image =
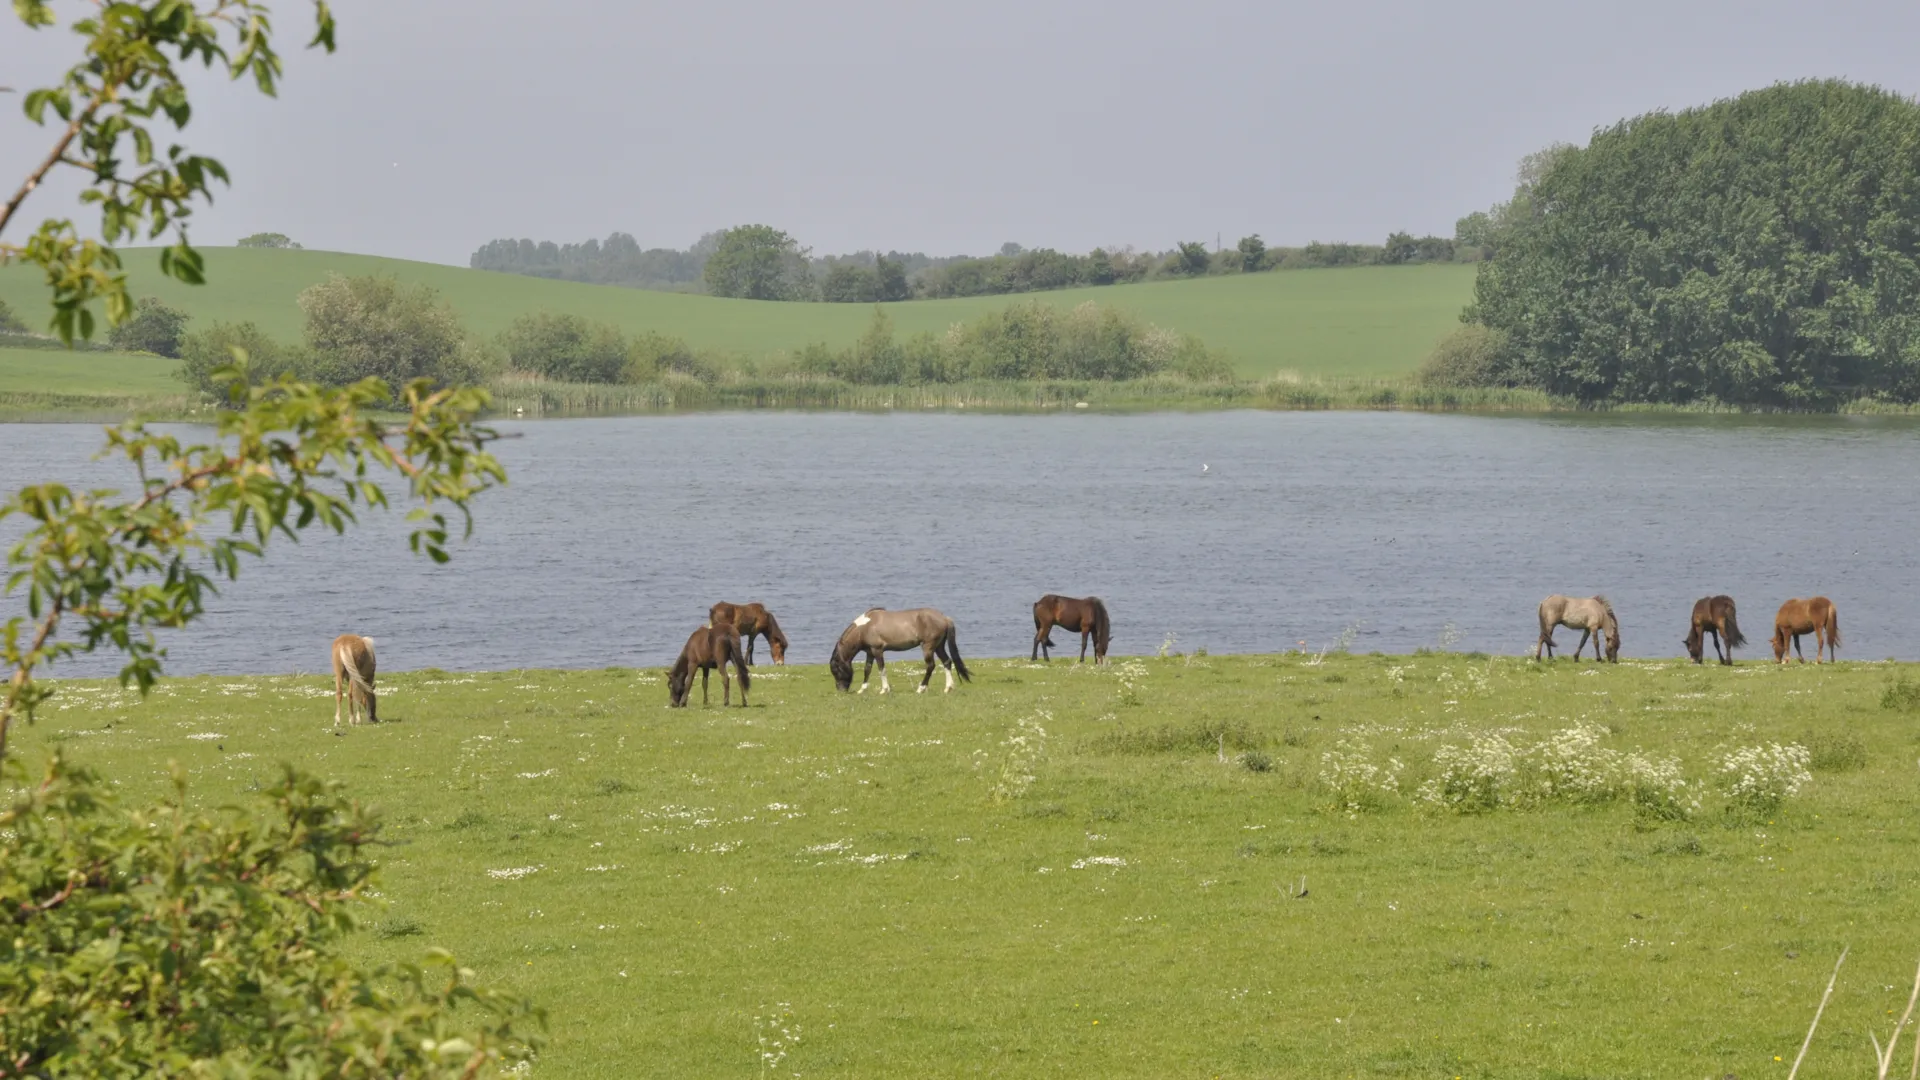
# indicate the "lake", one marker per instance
pixel 1240 531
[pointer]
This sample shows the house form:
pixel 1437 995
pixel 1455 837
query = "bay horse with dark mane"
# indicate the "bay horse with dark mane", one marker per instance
pixel 709 647
pixel 1816 616
pixel 878 631
pixel 1087 617
pixel 752 620
pixel 1714 615
pixel 1592 616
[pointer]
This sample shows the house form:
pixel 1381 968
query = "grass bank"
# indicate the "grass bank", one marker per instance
pixel 1357 321
pixel 1142 871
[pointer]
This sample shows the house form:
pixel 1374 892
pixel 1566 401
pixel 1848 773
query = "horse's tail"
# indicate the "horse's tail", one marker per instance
pixel 1102 626
pixel 1735 638
pixel 357 681
pixel 953 650
pixel 739 656
pixel 1833 626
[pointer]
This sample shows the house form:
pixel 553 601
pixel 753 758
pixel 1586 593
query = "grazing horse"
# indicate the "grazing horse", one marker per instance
pixel 1088 618
pixel 878 630
pixel 353 678
pixel 710 647
pixel 1817 617
pixel 752 620
pixel 1591 616
pixel 1714 615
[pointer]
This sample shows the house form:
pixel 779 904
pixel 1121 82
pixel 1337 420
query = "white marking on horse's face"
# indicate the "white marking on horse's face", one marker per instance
pixel 862 621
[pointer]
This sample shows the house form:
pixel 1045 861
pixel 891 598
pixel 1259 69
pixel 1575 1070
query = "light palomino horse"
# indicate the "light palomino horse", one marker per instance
pixel 353 678
pixel 878 631
pixel 1592 616
pixel 1816 616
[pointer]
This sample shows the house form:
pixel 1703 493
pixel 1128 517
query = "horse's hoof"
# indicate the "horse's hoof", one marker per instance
pixel 921 690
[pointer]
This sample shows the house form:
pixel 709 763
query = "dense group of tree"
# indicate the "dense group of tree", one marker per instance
pixel 760 262
pixel 619 260
pixel 1763 250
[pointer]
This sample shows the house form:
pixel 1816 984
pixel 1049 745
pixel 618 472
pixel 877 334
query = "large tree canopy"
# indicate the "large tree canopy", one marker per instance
pixel 1763 250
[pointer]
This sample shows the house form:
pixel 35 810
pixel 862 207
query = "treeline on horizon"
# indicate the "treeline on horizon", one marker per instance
pixel 763 263
pixel 378 327
pixel 1762 251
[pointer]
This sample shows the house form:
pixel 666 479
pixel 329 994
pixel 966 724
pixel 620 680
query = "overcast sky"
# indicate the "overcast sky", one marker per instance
pixel 441 124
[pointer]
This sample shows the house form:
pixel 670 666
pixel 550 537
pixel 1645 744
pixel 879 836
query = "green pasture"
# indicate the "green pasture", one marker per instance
pixel 1362 321
pixel 58 371
pixel 1130 872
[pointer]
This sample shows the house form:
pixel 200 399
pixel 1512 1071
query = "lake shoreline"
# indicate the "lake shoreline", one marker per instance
pixel 526 399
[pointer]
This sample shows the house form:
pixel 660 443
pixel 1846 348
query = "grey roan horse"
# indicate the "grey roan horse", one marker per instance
pixel 1592 616
pixel 878 631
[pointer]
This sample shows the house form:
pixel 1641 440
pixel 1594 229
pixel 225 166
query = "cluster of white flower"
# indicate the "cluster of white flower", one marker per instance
pixel 777 1033
pixel 1570 765
pixel 1026 744
pixel 1762 777
pixel 1478 776
pixel 1349 774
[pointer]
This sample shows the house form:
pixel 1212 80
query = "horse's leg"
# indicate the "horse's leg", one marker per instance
pixel 1043 639
pixel 336 699
pixel 866 674
pixel 926 652
pixel 1796 649
pixel 1819 642
pixel 704 672
pixel 749 644
pixel 1584 635
pixel 1084 635
pixel 881 659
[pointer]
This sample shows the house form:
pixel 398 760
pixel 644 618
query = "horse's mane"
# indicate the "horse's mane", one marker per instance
pixel 774 632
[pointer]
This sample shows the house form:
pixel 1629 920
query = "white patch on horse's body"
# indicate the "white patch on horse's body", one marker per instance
pixel 862 620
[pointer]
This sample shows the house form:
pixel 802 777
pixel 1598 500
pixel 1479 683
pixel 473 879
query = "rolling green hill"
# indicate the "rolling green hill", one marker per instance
pixel 1363 321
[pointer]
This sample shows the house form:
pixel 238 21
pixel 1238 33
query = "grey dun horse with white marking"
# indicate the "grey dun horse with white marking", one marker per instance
pixel 879 631
pixel 353 679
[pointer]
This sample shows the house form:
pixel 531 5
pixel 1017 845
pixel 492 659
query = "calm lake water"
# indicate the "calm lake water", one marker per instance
pixel 616 535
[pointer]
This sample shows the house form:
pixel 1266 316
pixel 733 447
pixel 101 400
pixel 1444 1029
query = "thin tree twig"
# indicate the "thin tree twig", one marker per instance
pixel 1886 1059
pixel 1824 998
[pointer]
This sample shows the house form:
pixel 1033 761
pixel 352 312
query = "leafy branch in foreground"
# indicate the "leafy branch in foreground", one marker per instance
pixel 165 942
pixel 99 569
pixel 106 107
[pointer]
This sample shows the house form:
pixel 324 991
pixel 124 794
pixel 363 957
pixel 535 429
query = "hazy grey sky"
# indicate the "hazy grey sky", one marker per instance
pixel 441 124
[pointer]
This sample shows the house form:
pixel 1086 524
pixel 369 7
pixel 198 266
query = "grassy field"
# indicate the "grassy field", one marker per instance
pixel 1154 870
pixel 1367 321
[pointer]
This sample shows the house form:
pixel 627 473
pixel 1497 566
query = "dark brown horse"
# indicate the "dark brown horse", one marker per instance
pixel 752 620
pixel 1817 617
pixel 710 647
pixel 1714 615
pixel 1088 618
pixel 878 630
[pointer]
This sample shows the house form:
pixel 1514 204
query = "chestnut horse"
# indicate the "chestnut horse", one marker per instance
pixel 1817 617
pixel 1714 615
pixel 1591 616
pixel 878 630
pixel 1088 618
pixel 709 647
pixel 353 678
pixel 752 620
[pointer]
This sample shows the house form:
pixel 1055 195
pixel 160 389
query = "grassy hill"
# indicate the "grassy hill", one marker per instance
pixel 1181 868
pixel 1364 321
